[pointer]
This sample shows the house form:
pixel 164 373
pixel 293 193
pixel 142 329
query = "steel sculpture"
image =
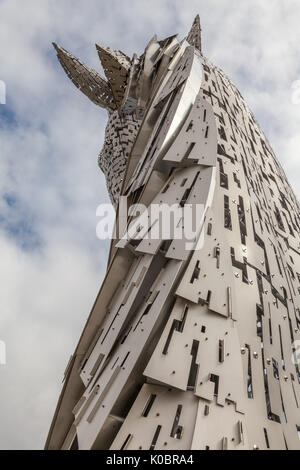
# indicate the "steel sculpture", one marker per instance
pixel 187 348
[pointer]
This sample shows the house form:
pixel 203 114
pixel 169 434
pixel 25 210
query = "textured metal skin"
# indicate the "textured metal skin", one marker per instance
pixel 120 135
pixel 191 349
pixel 86 79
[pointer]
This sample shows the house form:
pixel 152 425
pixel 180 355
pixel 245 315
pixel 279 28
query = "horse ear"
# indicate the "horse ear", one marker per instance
pixel 116 66
pixel 90 82
pixel 194 36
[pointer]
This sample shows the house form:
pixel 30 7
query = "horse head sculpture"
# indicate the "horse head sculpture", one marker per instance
pixel 125 93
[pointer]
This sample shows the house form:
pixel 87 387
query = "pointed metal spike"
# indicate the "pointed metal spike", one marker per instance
pixel 86 79
pixel 116 66
pixel 194 36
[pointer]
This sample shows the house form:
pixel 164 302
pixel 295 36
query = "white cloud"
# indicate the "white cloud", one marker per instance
pixel 49 181
pixel 47 298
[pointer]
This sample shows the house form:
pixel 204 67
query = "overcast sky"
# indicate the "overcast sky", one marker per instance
pixel 52 263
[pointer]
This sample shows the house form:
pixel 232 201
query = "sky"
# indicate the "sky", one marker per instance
pixel 52 263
